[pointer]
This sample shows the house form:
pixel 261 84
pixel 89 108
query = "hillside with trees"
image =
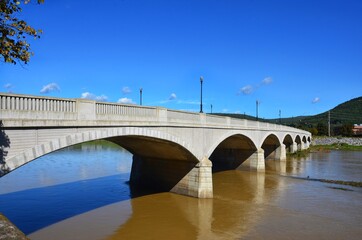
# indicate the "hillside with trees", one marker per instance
pixel 341 119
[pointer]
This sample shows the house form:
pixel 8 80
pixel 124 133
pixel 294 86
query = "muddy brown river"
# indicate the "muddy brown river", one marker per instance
pixel 83 193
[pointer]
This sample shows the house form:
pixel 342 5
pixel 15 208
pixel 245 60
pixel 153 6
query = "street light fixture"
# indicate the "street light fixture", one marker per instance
pixel 201 81
pixel 141 89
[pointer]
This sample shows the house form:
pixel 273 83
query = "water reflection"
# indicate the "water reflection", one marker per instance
pixel 37 208
pixel 236 207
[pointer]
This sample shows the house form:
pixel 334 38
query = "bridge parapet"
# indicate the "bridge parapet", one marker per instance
pixel 28 111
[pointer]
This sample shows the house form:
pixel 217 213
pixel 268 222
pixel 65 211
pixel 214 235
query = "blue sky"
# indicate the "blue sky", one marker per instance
pixel 300 57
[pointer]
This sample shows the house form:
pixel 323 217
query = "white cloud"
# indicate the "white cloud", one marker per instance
pixel 172 96
pixel 267 80
pixel 91 96
pixel 126 101
pixel 8 86
pixel 316 99
pixel 126 90
pixel 246 89
pixel 102 98
pixel 51 87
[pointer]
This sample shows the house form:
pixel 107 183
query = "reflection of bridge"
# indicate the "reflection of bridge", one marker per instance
pixel 173 150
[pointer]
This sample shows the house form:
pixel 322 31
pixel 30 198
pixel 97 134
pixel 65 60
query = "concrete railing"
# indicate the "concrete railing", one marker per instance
pixel 32 103
pixel 26 111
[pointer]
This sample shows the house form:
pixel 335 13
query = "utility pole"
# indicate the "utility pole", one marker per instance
pixel 201 81
pixel 329 123
pixel 280 116
pixel 141 89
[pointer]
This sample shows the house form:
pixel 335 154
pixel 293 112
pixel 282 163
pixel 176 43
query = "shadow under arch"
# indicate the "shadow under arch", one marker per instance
pixel 288 142
pixel 158 165
pixel 270 144
pixel 298 140
pixel 232 152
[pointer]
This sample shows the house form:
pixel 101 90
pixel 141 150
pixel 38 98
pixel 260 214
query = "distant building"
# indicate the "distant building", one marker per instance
pixel 357 129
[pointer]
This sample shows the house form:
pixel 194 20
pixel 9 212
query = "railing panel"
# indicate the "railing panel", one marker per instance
pixel 175 116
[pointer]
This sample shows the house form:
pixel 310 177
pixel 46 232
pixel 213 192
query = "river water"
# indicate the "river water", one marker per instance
pixel 82 192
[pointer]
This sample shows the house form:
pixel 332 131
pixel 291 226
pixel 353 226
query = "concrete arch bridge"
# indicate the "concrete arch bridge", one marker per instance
pixel 175 150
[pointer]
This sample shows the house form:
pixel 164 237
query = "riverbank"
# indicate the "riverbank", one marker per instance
pixel 330 143
pixel 337 141
pixel 9 231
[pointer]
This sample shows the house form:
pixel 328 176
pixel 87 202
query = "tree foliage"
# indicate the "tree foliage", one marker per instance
pixel 14 31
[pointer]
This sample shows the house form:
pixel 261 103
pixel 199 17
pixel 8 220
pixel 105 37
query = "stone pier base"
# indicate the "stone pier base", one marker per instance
pixel 198 182
pixel 256 162
pixel 294 148
pixel 280 153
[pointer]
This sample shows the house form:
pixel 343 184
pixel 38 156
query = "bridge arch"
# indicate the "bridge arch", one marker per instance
pixel 111 134
pixel 288 142
pixel 231 152
pixel 270 144
pixel 298 141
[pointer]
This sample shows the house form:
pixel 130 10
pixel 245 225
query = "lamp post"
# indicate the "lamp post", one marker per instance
pixel 257 110
pixel 280 116
pixel 201 81
pixel 141 89
pixel 211 108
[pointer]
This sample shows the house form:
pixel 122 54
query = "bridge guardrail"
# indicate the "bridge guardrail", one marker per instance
pixel 17 107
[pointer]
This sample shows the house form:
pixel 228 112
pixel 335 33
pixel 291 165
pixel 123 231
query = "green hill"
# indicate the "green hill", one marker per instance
pixel 342 118
pixel 349 112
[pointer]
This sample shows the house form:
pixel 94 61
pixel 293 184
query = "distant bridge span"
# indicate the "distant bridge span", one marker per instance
pixel 172 149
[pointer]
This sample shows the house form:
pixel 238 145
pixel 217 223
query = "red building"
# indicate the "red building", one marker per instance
pixel 357 130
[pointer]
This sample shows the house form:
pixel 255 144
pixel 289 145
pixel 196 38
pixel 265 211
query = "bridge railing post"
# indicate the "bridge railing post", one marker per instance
pixel 162 114
pixel 86 109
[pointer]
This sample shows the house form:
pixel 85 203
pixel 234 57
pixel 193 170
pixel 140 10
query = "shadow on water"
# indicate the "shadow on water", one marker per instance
pixel 48 205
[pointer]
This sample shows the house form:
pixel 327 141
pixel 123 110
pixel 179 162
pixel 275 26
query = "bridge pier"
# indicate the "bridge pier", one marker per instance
pixel 256 161
pixel 181 177
pixel 198 182
pixel 294 147
pixel 280 153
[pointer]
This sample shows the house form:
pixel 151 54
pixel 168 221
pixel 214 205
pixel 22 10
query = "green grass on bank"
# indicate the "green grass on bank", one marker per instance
pixel 325 148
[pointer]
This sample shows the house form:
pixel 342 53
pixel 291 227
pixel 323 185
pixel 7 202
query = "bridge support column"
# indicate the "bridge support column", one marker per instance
pixel 293 148
pixel 198 182
pixel 280 153
pixel 303 146
pixel 256 161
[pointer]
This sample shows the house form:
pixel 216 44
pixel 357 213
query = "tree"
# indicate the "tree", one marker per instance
pixel 13 32
pixel 322 129
pixel 313 131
